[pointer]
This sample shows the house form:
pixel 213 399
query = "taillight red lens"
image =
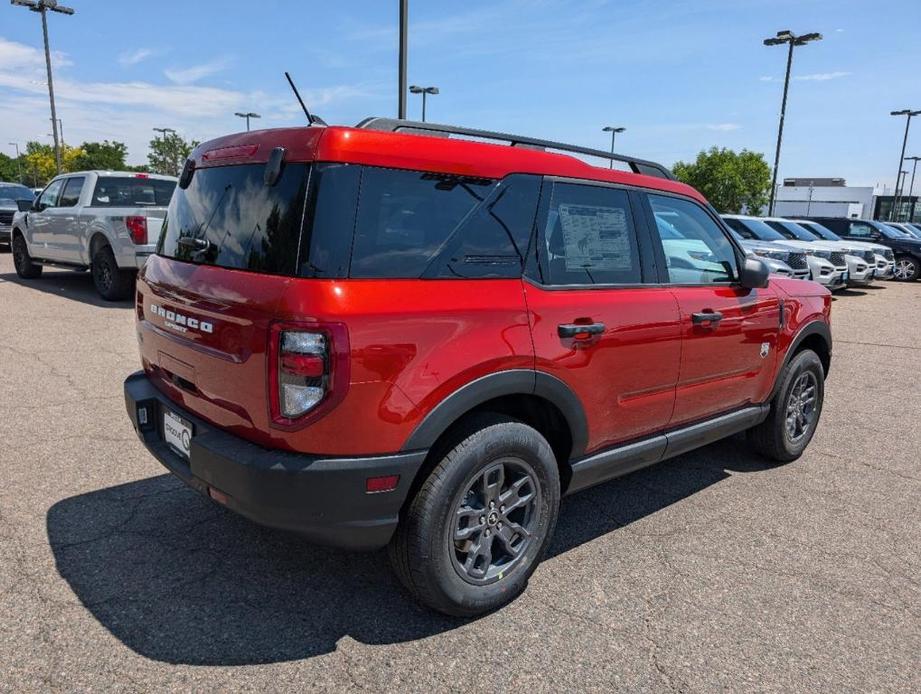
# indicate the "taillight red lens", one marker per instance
pixel 137 228
pixel 308 371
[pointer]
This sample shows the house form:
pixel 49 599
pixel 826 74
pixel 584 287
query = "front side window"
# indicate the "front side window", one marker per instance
pixel 589 237
pixel 696 249
pixel 49 197
pixel 859 230
pixel 72 189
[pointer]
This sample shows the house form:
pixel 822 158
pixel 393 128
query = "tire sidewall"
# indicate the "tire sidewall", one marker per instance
pixel 915 264
pixel 104 259
pixel 481 450
pixel 804 361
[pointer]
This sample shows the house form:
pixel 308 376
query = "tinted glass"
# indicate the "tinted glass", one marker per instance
pixel 791 231
pixel 820 231
pixel 589 237
pixel 329 220
pixel 14 192
pixel 861 230
pixel 493 240
pixel 404 218
pixel 697 250
pixel 124 191
pixel 229 217
pixel 49 197
pixel 71 194
pixel 755 229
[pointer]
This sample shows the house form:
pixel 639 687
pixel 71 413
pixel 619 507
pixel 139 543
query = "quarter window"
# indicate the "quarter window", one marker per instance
pixel 696 249
pixel 589 237
pixel 72 190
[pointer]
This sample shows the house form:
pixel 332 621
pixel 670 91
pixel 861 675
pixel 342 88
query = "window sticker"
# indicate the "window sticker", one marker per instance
pixel 595 237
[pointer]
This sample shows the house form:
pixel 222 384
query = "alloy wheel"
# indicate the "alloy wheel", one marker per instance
pixel 494 521
pixel 905 269
pixel 801 406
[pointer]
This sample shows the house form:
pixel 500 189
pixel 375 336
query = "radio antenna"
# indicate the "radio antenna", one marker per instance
pixel 310 118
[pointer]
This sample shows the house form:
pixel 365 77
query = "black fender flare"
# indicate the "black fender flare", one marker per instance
pixel 816 327
pixel 498 384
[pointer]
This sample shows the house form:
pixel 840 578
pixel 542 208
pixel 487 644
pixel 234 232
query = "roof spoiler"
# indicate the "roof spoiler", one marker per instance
pixel 638 166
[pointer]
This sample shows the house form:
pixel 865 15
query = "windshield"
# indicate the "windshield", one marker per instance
pixel 913 230
pixel 753 229
pixel 820 231
pixel 891 232
pixel 791 230
pixel 13 193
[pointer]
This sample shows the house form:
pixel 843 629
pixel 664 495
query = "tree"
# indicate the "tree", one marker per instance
pixel 39 161
pixel 104 155
pixel 168 153
pixel 9 171
pixel 731 181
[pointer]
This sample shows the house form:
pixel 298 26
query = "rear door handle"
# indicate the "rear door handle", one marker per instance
pixel 706 317
pixel 577 329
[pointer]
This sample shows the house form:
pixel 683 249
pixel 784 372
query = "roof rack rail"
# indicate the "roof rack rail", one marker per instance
pixel 639 166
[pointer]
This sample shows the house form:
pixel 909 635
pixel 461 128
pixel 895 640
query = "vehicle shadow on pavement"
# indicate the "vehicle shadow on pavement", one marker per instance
pixel 179 579
pixel 77 286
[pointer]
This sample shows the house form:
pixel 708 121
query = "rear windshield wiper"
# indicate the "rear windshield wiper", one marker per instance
pixel 196 244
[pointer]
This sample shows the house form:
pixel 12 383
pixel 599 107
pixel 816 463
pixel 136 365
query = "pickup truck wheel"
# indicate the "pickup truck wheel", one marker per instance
pixel 112 283
pixel 478 526
pixel 795 410
pixel 907 268
pixel 22 261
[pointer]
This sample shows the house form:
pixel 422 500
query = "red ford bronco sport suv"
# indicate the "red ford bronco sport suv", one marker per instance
pixel 399 334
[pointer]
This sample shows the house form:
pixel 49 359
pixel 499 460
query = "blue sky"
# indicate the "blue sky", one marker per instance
pixel 680 76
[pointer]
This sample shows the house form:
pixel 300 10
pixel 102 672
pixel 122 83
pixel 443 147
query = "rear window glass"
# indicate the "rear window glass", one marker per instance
pixel 123 191
pixel 404 218
pixel 230 218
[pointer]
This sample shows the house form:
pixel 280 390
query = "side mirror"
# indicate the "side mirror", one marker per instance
pixel 753 274
pixel 24 205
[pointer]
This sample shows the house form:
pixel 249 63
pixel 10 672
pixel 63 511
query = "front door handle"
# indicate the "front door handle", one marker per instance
pixel 706 317
pixel 582 330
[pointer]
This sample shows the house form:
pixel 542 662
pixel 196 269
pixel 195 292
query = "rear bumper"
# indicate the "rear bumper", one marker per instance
pixel 323 498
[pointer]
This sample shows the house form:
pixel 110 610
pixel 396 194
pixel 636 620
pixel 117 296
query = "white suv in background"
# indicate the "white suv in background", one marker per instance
pixel 882 255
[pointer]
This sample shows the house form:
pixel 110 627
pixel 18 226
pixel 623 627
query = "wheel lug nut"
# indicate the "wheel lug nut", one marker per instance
pixel 502 509
pixel 486 532
pixel 499 525
pixel 492 504
pixel 482 520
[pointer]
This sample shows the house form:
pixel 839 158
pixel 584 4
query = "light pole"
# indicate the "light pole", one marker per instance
pixel 247 116
pixel 61 131
pixel 163 131
pixel 792 40
pixel 19 161
pixel 42 7
pixel 611 129
pixel 911 186
pixel 401 60
pixel 908 113
pixel 423 91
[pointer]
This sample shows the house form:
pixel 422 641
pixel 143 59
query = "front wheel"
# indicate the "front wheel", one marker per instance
pixel 795 410
pixel 22 261
pixel 907 268
pixel 477 528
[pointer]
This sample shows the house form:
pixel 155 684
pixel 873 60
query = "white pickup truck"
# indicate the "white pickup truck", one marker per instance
pixel 105 221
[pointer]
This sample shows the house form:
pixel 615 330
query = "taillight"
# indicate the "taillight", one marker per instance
pixel 137 228
pixel 308 371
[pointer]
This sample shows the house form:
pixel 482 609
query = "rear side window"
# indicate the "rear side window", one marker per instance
pixel 72 189
pixel 405 217
pixel 127 191
pixel 230 218
pixel 589 237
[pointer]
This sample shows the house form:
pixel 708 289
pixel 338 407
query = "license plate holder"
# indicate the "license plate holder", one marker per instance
pixel 177 433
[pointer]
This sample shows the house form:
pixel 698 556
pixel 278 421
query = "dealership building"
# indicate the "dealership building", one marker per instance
pixel 832 197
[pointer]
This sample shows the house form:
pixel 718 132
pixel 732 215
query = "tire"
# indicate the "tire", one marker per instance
pixel 783 440
pixel 449 524
pixel 907 268
pixel 22 261
pixel 112 283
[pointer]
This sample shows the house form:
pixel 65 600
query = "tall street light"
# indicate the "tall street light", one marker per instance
pixel 247 116
pixel 414 89
pixel 611 129
pixel 401 60
pixel 908 113
pixel 911 186
pixel 19 161
pixel 792 40
pixel 163 131
pixel 42 7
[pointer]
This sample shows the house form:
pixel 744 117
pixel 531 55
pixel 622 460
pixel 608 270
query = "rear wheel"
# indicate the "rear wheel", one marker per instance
pixel 907 268
pixel 112 283
pixel 477 528
pixel 22 261
pixel 795 410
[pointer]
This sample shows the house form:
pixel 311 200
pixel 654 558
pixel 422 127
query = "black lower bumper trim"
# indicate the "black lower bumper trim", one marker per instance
pixel 321 497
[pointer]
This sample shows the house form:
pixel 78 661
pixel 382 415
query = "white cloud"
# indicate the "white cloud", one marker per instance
pixel 821 76
pixel 193 73
pixel 135 57
pixel 723 127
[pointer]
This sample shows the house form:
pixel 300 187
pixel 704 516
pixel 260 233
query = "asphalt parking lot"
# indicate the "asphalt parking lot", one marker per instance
pixel 712 571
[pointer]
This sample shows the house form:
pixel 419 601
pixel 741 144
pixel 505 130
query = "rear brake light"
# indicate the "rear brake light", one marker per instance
pixel 308 371
pixel 141 175
pixel 137 228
